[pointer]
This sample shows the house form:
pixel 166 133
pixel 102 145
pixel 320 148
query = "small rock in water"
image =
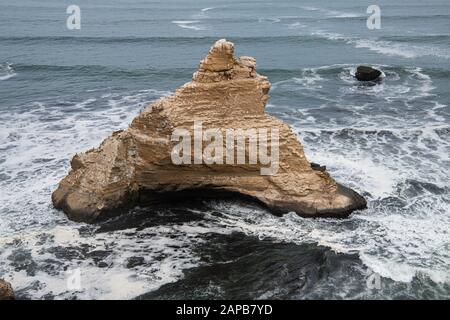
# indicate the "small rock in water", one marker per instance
pixel 6 291
pixel 318 167
pixel 365 73
pixel 135 261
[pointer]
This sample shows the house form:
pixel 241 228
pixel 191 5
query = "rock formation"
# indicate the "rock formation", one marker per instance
pixel 135 166
pixel 6 291
pixel 365 73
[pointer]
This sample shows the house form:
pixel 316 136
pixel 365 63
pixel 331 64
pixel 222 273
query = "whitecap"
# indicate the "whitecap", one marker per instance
pixel 207 9
pixel 332 13
pixel 308 8
pixel 309 79
pixel 396 49
pixel 6 71
pixel 386 48
pixel 296 25
pixel 271 20
pixel 189 24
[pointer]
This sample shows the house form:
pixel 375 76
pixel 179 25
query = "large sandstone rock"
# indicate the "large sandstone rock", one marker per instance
pixel 134 166
pixel 6 291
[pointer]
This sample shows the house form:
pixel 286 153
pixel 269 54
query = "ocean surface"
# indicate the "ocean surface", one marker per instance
pixel 63 91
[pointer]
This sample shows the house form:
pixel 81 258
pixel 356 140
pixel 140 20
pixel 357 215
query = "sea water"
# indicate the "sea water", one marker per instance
pixel 63 91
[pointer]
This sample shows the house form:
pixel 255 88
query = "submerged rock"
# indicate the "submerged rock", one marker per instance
pixel 365 73
pixel 6 291
pixel 136 165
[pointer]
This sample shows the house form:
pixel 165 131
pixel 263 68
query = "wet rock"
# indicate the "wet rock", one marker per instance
pixel 365 73
pixel 318 167
pixel 135 261
pixel 6 291
pixel 135 166
pixel 22 260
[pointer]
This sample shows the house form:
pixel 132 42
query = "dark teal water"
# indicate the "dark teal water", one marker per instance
pixel 63 91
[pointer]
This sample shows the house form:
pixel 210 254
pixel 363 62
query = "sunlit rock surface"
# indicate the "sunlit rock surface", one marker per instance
pixel 134 166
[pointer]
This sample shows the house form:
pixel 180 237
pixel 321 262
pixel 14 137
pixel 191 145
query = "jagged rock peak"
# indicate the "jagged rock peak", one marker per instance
pixel 220 57
pixel 220 64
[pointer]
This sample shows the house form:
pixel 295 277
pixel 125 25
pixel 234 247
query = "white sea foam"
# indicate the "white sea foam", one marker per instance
pixel 309 78
pixel 33 159
pixel 382 239
pixel 165 251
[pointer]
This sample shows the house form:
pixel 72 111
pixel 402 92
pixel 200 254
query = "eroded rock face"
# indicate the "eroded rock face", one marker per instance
pixel 6 291
pixel 134 166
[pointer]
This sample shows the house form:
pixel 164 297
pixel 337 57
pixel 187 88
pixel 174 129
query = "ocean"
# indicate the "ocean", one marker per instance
pixel 63 91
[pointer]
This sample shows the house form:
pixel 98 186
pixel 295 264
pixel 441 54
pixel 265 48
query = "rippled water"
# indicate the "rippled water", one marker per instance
pixel 63 92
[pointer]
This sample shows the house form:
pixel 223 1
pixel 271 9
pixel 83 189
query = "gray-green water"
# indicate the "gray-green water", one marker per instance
pixel 63 91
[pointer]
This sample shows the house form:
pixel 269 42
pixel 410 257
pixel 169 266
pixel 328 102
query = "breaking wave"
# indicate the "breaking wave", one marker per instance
pixel 6 71
pixel 391 143
pixel 385 47
pixel 189 24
